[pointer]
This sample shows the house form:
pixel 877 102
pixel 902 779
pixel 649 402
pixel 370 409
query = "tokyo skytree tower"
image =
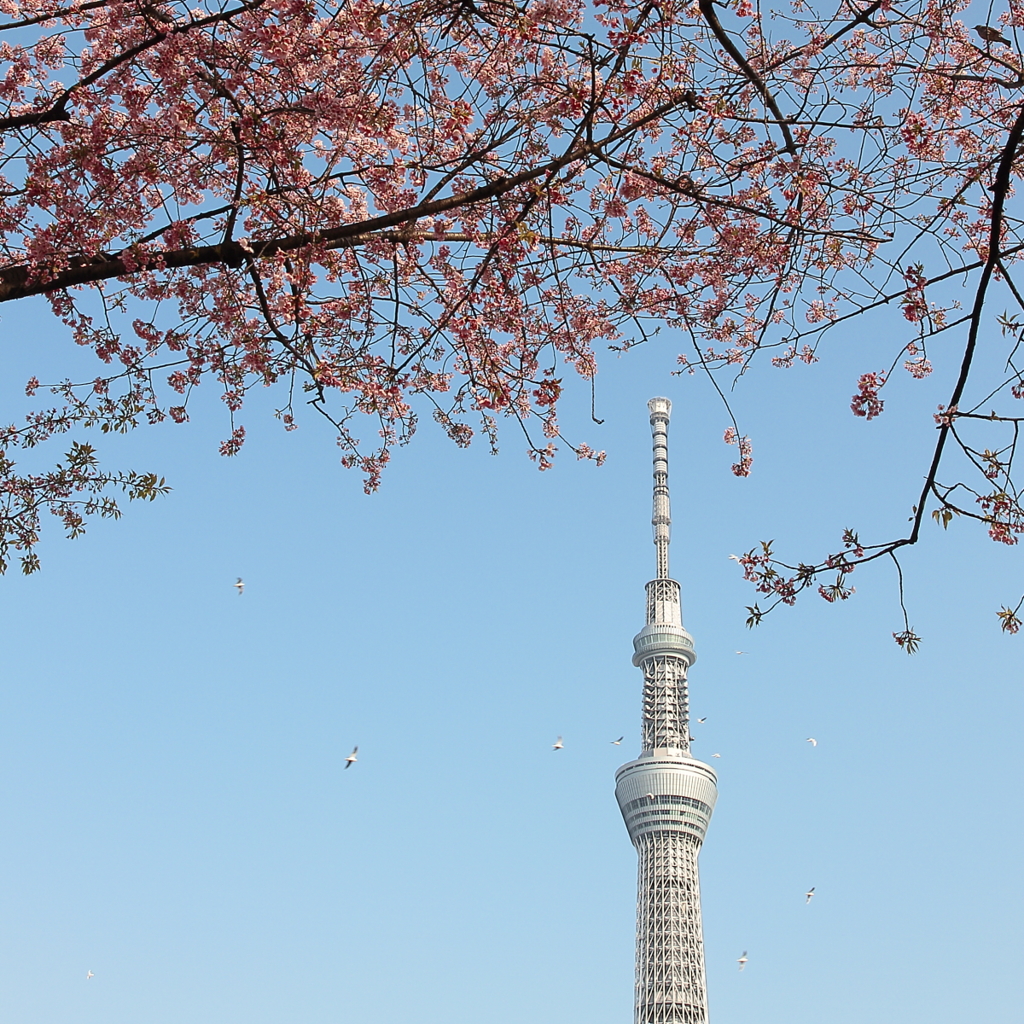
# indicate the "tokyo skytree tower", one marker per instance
pixel 665 795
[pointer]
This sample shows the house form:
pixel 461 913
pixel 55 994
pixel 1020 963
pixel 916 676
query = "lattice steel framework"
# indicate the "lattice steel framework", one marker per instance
pixel 665 795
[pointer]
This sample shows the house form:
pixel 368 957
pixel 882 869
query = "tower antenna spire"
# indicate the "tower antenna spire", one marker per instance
pixel 660 410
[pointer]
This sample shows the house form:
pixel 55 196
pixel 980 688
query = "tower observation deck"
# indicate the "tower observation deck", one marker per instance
pixel 665 795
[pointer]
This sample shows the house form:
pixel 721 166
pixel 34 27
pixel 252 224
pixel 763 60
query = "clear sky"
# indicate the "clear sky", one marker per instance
pixel 177 819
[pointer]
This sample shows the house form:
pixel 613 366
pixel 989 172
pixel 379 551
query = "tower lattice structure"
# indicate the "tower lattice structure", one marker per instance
pixel 666 796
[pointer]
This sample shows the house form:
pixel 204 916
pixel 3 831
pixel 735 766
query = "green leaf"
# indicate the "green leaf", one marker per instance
pixel 908 640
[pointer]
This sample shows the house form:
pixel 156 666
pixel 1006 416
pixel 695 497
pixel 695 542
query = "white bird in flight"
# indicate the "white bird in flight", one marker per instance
pixel 813 742
pixel 716 755
pixel 89 975
pixel 351 759
pixel 558 744
pixel 701 721
pixel 809 894
pixel 735 558
pixel 743 652
pixel 743 960
pixel 239 586
pixel 618 741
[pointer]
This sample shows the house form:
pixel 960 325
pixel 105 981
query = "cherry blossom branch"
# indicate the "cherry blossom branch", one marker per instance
pixel 863 17
pixel 687 188
pixel 62 12
pixel 1000 190
pixel 20 281
pixel 57 110
pixel 763 569
pixel 707 9
pixel 24 497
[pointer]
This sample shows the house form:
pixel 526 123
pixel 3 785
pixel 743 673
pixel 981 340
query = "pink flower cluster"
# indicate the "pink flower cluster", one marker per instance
pixel 746 460
pixel 866 402
pixel 1004 516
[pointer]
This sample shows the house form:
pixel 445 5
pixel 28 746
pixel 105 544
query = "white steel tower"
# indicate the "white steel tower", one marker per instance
pixel 665 795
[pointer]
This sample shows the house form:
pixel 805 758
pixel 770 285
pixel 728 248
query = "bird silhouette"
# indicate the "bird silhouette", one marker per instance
pixel 991 35
pixel 558 744
pixel 743 960
pixel 618 741
pixel 809 894
pixel 716 755
pixel 701 721
pixel 351 759
pixel 239 586
pixel 89 975
pixel 813 742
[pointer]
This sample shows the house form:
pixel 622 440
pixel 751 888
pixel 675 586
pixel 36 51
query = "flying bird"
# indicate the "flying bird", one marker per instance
pixel 618 741
pixel 701 721
pixel 558 744
pixel 351 759
pixel 813 742
pixel 743 652
pixel 991 35
pixel 716 755
pixel 239 586
pixel 809 894
pixel 89 975
pixel 735 558
pixel 743 960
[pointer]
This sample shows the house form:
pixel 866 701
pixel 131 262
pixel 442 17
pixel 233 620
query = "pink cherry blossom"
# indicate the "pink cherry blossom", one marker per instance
pixel 866 402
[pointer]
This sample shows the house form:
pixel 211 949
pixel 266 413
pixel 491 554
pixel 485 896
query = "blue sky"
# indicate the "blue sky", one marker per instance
pixel 177 819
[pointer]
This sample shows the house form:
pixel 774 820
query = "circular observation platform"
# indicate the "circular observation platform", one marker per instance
pixel 666 794
pixel 663 638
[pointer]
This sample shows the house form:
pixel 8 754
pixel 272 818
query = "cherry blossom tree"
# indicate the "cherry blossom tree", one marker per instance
pixel 391 208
